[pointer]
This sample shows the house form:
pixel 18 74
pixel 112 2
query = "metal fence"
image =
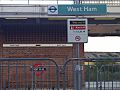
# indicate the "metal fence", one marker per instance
pixel 45 74
pixel 92 74
pixel 28 74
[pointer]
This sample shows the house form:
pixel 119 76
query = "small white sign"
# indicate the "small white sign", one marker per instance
pixel 52 9
pixel 77 30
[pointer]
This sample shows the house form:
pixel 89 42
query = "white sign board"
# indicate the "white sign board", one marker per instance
pixel 77 30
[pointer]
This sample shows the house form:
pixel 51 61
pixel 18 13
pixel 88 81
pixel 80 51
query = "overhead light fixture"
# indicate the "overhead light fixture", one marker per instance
pixel 105 18
pixel 16 18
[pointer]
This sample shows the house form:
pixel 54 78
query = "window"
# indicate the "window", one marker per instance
pixel 103 44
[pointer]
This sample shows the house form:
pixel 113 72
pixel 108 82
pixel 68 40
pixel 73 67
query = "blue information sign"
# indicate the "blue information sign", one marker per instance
pixel 82 9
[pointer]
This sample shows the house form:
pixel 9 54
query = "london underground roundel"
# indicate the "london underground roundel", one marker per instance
pixel 39 69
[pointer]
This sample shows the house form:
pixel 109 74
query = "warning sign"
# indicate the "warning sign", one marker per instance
pixel 77 30
pixel 39 69
pixel 77 27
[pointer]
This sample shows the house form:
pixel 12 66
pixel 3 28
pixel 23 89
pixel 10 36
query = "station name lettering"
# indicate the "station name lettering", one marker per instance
pixel 80 9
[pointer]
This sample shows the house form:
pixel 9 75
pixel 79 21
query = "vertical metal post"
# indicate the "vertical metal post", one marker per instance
pixel 57 77
pixel 28 2
pixel 88 67
pixel 100 79
pixel 77 78
pixel 17 76
pixel 78 50
pixel 0 76
pixel 49 78
pixel 77 69
pixel 33 80
pixel 8 76
pixel 96 77
pixel 24 77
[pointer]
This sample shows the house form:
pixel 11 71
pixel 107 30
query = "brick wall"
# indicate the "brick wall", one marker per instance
pixel 57 53
pixel 60 54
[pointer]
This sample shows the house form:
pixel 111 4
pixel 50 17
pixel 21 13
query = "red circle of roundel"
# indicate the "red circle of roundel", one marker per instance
pixel 37 67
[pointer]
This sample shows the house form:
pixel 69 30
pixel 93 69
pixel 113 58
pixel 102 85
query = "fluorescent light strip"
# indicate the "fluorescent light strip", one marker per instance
pixel 51 2
pixel 48 2
pixel 16 18
pixel 13 2
pixel 36 2
pixel 37 45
